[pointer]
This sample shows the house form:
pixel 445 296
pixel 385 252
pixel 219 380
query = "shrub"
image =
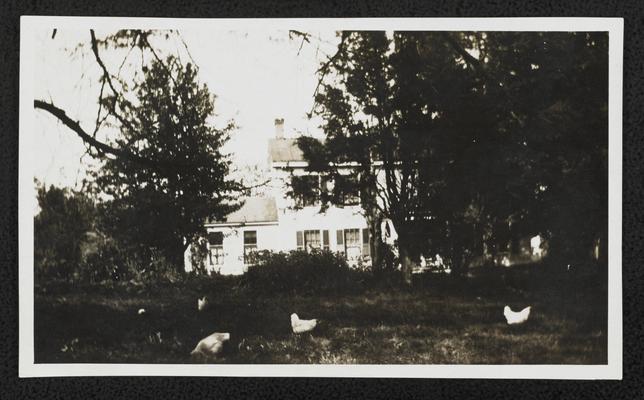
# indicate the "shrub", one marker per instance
pixel 303 273
pixel 60 230
pixel 111 261
pixel 106 262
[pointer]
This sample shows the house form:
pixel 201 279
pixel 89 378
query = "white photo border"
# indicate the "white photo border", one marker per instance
pixel 26 193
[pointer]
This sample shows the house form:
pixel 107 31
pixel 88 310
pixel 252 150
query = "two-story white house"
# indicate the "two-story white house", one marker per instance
pixel 278 222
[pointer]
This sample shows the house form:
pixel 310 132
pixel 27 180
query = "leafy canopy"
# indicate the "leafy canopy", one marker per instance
pixel 468 140
pixel 163 204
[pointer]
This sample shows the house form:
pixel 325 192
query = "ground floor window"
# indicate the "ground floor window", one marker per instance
pixel 250 245
pixel 352 243
pixel 299 235
pixel 216 248
pixel 312 240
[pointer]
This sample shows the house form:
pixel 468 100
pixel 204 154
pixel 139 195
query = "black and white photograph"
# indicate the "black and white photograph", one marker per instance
pixel 385 197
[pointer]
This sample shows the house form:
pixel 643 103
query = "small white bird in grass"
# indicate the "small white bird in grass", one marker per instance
pixel 141 311
pixel 516 318
pixel 212 345
pixel 302 325
pixel 202 303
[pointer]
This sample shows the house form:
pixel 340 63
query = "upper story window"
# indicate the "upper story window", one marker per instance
pixel 306 190
pixel 346 187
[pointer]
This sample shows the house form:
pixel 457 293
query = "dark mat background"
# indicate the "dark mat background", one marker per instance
pixel 631 387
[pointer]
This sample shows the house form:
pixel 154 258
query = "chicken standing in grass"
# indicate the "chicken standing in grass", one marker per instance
pixel 211 346
pixel 516 318
pixel 202 303
pixel 302 325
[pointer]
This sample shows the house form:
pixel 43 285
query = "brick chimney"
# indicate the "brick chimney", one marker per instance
pixel 279 128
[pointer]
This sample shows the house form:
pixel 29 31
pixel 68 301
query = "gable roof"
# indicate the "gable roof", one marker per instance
pixel 254 210
pixel 284 150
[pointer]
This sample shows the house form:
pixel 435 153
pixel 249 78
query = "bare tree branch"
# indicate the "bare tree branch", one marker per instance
pixel 75 126
pixel 108 78
pixel 99 120
pixel 118 74
pixel 101 147
pixel 144 38
pixel 324 69
pixel 185 45
pixel 106 74
pixel 305 38
pixel 255 186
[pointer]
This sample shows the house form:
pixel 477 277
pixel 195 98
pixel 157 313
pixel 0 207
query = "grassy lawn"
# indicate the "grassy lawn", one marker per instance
pixel 438 321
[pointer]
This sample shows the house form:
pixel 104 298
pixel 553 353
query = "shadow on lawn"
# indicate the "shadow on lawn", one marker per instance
pixel 439 320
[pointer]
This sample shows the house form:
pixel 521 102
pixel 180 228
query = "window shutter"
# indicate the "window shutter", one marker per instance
pixel 366 250
pixel 340 237
pixel 300 239
pixel 325 239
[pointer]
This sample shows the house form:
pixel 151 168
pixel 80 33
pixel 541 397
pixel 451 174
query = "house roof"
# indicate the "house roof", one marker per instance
pixel 254 210
pixel 284 150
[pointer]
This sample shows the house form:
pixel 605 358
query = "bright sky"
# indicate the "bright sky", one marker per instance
pixel 257 76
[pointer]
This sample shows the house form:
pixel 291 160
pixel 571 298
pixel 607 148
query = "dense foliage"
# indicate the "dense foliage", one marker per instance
pixel 69 245
pixel 470 141
pixel 301 272
pixel 161 172
pixel 60 228
pixel 163 205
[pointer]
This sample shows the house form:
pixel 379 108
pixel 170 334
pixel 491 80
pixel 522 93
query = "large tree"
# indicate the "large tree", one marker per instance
pixel 523 149
pixel 162 173
pixel 350 140
pixel 553 100
pixel 478 138
pixel 163 205
pixel 375 117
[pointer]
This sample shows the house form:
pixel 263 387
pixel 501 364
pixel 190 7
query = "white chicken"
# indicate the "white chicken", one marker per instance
pixel 212 345
pixel 202 303
pixel 141 311
pixel 516 318
pixel 302 325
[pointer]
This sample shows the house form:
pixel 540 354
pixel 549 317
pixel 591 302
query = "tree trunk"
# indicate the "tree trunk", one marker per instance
pixel 374 218
pixel 406 262
pixel 376 249
pixel 176 257
pixel 458 264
